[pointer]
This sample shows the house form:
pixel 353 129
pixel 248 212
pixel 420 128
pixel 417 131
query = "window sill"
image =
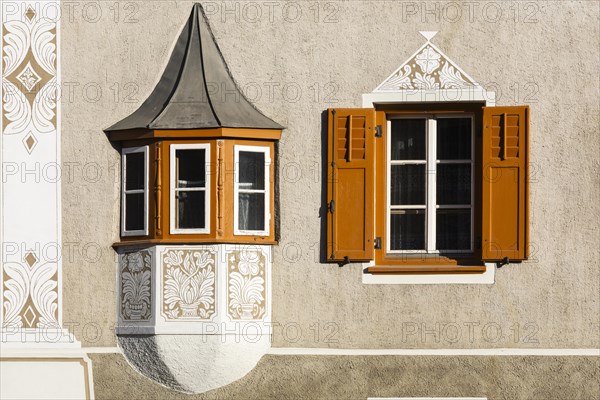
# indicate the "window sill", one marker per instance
pixel 420 269
pixel 418 274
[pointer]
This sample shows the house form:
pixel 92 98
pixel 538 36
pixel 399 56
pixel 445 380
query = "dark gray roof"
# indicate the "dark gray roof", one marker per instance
pixel 196 90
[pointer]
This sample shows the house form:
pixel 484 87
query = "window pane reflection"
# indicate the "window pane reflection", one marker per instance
pixel 407 230
pixel 408 184
pixel 453 229
pixel 408 139
pixel 190 209
pixel 251 212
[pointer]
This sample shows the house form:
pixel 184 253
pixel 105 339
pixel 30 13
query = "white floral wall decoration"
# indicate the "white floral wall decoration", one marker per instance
pixel 136 286
pixel 188 284
pixel 30 298
pixel 29 283
pixel 246 284
pixel 427 69
pixel 29 84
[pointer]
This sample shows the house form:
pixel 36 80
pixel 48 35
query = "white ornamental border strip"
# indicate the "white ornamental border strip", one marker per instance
pixel 30 207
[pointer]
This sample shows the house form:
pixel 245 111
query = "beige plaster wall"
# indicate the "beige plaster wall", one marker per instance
pixel 346 377
pixel 546 55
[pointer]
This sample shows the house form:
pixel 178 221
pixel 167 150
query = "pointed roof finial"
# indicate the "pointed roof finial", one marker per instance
pixel 428 34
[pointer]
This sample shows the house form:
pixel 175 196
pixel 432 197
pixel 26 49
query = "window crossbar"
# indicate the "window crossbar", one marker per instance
pixel 408 207
pixel 251 191
pixel 454 161
pixel 199 189
pixel 408 162
pixel 134 191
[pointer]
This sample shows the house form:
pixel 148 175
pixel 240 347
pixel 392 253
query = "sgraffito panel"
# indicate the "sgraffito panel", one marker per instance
pixel 188 284
pixel 136 286
pixel 246 284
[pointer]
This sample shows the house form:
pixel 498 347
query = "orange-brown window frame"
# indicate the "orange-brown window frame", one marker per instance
pixel 221 194
pixel 420 263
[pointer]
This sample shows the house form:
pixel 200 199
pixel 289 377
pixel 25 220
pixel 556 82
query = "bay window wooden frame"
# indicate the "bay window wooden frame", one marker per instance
pixel 221 188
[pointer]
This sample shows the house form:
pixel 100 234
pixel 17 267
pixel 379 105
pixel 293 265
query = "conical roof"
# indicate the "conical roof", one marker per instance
pixel 196 90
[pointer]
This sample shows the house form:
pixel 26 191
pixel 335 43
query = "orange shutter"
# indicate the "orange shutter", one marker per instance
pixel 505 187
pixel 350 186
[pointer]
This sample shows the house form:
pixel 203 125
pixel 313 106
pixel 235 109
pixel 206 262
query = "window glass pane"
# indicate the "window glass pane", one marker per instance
pixel 252 170
pixel 407 230
pixel 134 171
pixel 134 212
pixel 408 139
pixel 408 184
pixel 191 167
pixel 453 229
pixel 251 212
pixel 453 184
pixel 190 209
pixel 454 138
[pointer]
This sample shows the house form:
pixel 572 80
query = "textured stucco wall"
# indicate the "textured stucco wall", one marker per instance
pixel 550 63
pixel 345 377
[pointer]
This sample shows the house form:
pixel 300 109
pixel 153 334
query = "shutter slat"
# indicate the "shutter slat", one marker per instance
pixel 351 171
pixel 505 224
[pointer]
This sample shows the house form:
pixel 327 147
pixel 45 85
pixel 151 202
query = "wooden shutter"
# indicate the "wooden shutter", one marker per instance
pixel 350 186
pixel 505 187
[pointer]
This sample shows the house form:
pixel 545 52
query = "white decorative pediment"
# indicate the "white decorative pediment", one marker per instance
pixel 427 69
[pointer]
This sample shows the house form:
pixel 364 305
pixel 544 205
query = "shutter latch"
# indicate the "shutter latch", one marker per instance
pixel 331 206
pixel 378 243
pixel 378 131
pixel 503 262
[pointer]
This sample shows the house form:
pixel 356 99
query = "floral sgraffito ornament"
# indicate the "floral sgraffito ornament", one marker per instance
pixel 136 286
pixel 429 69
pixel 246 289
pixel 29 83
pixel 188 284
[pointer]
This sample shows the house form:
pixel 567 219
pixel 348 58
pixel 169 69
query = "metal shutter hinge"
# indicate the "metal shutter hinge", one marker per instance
pixel 378 131
pixel 378 243
pixel 331 206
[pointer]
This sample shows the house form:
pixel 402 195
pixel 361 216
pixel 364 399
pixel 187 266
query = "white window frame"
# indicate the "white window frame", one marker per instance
pixel 267 152
pixel 126 151
pixel 172 188
pixel 431 163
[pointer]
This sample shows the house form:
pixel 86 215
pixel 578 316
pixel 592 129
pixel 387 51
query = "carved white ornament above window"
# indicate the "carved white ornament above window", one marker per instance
pixel 427 69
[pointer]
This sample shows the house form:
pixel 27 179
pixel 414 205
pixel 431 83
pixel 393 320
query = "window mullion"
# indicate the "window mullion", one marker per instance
pixel 431 183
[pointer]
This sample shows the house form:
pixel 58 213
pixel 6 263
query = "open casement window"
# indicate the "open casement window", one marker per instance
pixel 190 188
pixel 251 192
pixel 429 188
pixel 134 196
